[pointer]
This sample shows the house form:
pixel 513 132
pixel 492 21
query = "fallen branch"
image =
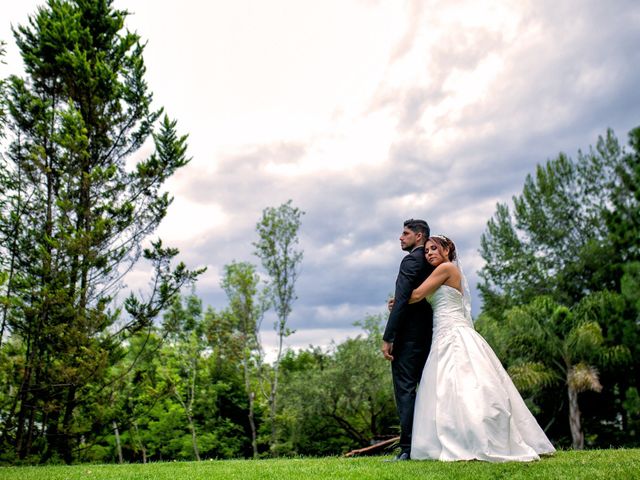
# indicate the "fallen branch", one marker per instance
pixel 373 449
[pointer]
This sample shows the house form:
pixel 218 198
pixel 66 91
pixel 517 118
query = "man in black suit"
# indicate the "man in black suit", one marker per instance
pixel 407 336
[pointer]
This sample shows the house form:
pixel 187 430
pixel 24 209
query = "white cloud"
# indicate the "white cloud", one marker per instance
pixel 323 338
pixel 192 221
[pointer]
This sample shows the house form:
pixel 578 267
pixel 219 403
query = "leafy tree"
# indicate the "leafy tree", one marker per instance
pixel 240 282
pixel 226 392
pixel 304 429
pixel 628 332
pixel 182 357
pixel 139 387
pixel 345 394
pixel 357 397
pixel 76 215
pixel 276 248
pixel 175 382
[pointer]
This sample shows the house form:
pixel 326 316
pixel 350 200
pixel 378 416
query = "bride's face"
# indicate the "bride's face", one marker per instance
pixel 435 254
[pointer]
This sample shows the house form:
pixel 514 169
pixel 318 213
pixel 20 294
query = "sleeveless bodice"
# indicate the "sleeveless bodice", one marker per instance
pixel 448 310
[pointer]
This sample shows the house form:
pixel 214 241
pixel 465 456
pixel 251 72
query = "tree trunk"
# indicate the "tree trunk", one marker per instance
pixel 252 423
pixel 23 402
pixel 5 307
pixel 577 436
pixel 144 450
pixel 14 254
pixel 67 428
pixel 118 447
pixel 194 439
pixel 187 410
pixel 251 397
pixel 273 399
pixel 27 401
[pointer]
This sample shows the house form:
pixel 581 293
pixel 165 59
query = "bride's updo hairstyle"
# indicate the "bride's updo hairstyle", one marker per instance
pixel 444 243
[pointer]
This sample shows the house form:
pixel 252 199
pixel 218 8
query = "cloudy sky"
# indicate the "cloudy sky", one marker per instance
pixel 366 113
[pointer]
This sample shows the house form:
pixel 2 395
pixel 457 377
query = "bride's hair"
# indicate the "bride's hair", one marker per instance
pixel 444 242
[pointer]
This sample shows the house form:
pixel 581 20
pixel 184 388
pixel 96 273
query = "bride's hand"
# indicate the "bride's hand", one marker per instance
pixel 390 303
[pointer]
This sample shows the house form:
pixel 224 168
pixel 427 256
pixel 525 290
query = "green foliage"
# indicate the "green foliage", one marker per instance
pixel 631 405
pixel 630 284
pixel 531 376
pixel 246 305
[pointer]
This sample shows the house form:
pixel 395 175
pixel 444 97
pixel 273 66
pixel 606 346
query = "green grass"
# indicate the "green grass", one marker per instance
pixel 593 464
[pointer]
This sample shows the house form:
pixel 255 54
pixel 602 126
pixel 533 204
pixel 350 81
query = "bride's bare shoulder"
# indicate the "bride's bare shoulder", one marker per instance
pixel 447 267
pixel 451 271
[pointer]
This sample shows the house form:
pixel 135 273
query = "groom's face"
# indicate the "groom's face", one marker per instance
pixel 409 239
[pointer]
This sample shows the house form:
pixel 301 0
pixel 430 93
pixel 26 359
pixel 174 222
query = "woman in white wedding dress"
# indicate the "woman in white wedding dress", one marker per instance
pixel 467 406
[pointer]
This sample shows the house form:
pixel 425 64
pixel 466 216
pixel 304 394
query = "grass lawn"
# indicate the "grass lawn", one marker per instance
pixel 592 464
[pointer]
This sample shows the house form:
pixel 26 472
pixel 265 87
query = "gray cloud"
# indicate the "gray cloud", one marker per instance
pixel 568 75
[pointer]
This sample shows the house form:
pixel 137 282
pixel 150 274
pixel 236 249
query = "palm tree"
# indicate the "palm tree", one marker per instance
pixel 548 343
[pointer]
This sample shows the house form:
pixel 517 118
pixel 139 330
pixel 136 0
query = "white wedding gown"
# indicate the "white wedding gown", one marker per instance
pixel 467 406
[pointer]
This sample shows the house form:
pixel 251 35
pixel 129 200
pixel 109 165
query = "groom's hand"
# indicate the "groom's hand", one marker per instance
pixel 387 348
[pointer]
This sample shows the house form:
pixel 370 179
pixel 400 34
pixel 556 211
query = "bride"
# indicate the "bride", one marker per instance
pixel 466 406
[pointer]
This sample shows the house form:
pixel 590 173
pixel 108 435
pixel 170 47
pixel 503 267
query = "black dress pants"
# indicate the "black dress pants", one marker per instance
pixel 406 370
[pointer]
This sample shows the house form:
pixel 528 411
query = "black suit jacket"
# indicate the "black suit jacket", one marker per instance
pixel 410 322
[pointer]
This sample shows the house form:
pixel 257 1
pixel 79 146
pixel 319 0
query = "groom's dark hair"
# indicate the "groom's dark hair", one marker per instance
pixel 418 226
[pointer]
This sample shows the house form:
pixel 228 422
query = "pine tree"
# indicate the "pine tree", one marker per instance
pixel 78 210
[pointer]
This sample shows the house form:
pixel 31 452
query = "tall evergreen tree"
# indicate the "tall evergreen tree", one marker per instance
pixel 555 239
pixel 78 210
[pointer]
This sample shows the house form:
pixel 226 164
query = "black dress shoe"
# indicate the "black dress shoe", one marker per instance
pixel 401 457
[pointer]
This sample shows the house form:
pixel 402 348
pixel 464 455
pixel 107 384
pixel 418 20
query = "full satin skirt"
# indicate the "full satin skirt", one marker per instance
pixel 468 408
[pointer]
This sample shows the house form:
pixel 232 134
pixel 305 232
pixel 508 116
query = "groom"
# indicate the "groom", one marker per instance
pixel 407 336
